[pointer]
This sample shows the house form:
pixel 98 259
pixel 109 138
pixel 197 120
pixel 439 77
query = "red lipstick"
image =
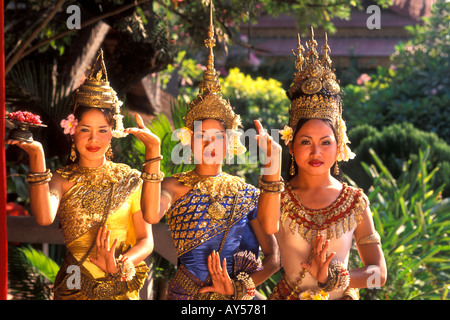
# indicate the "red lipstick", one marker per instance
pixel 315 163
pixel 92 149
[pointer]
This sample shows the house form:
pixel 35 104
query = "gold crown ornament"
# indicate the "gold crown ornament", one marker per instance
pixel 96 92
pixel 315 94
pixel 209 103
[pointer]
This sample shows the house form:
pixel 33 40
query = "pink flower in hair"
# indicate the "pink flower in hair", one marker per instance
pixel 69 124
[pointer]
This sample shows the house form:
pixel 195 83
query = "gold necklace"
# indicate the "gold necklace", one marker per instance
pixel 216 187
pixel 215 210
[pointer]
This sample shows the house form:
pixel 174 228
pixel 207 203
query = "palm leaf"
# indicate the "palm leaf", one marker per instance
pixel 30 273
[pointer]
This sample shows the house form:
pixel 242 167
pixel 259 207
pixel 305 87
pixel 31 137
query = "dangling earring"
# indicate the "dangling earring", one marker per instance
pixel 73 153
pixel 336 169
pixel 292 167
pixel 109 154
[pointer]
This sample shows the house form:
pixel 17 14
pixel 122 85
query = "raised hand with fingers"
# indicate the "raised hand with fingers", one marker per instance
pixel 105 259
pixel 221 282
pixel 271 149
pixel 149 139
pixel 318 267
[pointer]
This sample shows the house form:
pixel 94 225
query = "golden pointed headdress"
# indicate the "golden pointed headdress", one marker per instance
pixel 315 93
pixel 96 92
pixel 209 103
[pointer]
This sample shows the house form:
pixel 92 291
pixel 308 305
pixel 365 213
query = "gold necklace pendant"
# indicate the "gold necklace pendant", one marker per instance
pixel 216 211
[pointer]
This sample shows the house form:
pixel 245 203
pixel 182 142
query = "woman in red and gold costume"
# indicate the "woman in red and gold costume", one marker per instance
pixel 320 215
pixel 95 200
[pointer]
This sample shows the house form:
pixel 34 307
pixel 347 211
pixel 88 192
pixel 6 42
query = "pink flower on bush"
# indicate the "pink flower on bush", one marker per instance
pixel 69 124
pixel 25 116
pixel 363 79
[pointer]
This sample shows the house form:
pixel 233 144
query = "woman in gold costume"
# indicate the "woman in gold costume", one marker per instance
pixel 211 214
pixel 95 200
pixel 320 215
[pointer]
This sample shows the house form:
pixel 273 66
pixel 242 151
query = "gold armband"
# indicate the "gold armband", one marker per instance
pixel 165 193
pixel 371 238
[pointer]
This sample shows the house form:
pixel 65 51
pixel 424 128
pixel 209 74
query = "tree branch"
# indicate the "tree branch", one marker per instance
pixel 89 22
pixel 18 55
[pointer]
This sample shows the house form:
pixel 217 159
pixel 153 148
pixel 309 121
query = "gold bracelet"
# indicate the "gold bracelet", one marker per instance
pixel 37 178
pixel 338 277
pixel 148 161
pixel 244 287
pixel 152 177
pixel 271 187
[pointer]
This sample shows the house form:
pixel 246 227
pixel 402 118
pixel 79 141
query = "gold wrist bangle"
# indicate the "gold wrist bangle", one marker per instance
pixel 39 174
pixel 152 177
pixel 37 178
pixel 271 187
pixel 148 161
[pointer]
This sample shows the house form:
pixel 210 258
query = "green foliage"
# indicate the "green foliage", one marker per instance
pixel 316 13
pixel 394 144
pixel 416 88
pixel 256 99
pixel 163 129
pixel 30 273
pixel 185 69
pixel 413 221
pixel 128 150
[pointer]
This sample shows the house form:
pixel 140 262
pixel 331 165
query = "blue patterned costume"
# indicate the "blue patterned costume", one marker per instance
pixel 200 220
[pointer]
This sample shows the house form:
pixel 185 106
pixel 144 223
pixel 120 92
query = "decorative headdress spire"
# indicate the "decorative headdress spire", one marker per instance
pixel 209 103
pixel 315 93
pixel 96 92
pixel 210 83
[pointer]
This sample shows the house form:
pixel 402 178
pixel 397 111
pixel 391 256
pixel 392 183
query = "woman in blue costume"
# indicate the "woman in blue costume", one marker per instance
pixel 211 214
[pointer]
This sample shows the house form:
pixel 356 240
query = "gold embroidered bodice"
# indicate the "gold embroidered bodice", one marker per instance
pixel 82 206
pixel 203 212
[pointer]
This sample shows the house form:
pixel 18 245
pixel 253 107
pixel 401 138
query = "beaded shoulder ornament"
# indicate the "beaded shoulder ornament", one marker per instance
pixel 336 219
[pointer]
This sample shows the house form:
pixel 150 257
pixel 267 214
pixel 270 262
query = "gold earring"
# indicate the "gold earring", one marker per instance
pixel 109 154
pixel 73 153
pixel 336 169
pixel 292 167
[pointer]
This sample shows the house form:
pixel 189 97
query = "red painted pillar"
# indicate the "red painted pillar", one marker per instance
pixel 3 235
